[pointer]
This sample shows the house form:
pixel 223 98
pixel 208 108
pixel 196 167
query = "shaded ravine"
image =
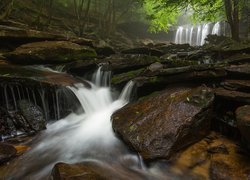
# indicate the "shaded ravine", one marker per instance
pixel 84 137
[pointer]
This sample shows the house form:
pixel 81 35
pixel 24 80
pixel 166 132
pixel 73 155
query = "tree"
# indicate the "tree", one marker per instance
pixel 202 10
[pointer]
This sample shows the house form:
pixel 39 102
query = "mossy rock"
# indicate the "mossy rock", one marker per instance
pixel 49 52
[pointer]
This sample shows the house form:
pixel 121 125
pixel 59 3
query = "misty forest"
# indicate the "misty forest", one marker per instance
pixel 124 89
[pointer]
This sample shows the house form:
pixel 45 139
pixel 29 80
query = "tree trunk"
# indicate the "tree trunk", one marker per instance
pixel 232 13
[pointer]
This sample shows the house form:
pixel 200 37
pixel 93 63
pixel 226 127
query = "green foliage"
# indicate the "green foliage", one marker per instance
pixel 161 18
pixel 165 13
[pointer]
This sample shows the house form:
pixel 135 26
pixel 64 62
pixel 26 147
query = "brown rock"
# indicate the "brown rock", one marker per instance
pixel 93 170
pixel 12 73
pixel 159 126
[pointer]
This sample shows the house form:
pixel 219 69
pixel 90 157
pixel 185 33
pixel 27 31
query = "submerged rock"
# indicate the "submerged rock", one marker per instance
pixel 161 125
pixel 94 170
pixel 214 157
pixel 49 52
pixel 6 152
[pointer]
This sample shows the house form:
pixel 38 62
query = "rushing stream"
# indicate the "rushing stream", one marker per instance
pixel 82 137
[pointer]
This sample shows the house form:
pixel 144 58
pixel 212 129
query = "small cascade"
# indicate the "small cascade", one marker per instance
pixel 85 136
pixel 102 77
pixel 196 35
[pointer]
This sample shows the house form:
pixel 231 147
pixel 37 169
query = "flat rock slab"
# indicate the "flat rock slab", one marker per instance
pixel 239 85
pixel 232 95
pixel 49 52
pixel 11 73
pixel 159 126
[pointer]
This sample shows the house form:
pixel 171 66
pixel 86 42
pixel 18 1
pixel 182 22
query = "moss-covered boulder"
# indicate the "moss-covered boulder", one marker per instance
pixel 49 52
pixel 160 125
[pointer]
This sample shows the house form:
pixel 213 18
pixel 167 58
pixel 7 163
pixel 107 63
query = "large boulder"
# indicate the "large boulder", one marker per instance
pixel 49 52
pixel 163 124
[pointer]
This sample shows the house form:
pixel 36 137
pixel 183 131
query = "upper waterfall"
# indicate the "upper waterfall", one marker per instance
pixel 196 35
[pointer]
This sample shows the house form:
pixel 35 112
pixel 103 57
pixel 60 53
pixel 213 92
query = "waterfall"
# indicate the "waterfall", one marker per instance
pixel 179 35
pixel 85 136
pixel 191 36
pixel 205 32
pixel 196 35
pixel 187 35
pixel 198 39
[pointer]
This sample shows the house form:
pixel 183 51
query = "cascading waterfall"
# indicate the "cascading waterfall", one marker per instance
pixel 87 136
pixel 196 35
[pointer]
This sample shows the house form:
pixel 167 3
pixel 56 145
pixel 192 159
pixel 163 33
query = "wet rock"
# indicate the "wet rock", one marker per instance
pixel 225 46
pixel 220 170
pixel 144 50
pixel 29 75
pixel 123 78
pixel 235 96
pixel 180 115
pixel 174 48
pixel 104 51
pixel 231 165
pixel 239 59
pixel 49 52
pixel 243 122
pixel 218 149
pixel 197 159
pixel 237 85
pixel 124 63
pixel 32 114
pixel 6 152
pixel 94 170
pixel 79 40
pixel 239 71
pixel 118 63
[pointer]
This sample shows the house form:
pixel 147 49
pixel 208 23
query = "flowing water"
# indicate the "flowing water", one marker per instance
pixel 87 136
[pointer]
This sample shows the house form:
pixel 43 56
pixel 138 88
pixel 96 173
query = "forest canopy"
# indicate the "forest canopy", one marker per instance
pixel 160 15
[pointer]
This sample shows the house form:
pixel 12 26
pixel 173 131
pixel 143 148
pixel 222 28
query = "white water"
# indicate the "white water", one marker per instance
pixel 80 137
pixel 196 35
pixel 217 29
